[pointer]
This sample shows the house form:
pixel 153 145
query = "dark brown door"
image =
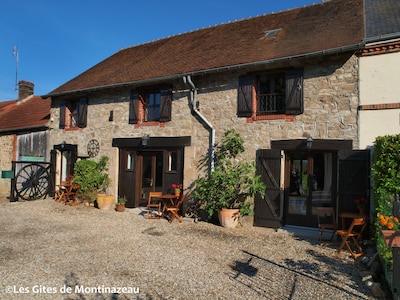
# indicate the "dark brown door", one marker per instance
pixel 267 210
pixel 143 171
pixel 354 169
pixel 127 176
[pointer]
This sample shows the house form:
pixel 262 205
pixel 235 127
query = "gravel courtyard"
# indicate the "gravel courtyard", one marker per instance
pixel 52 251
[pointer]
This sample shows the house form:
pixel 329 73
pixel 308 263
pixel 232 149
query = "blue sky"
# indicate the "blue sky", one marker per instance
pixel 58 40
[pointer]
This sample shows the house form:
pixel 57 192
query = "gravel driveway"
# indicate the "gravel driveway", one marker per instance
pixel 52 251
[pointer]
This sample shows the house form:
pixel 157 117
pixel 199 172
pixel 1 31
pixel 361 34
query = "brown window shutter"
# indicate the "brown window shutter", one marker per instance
pixel 134 107
pixel 82 111
pixel 62 114
pixel 166 101
pixel 294 92
pixel 244 96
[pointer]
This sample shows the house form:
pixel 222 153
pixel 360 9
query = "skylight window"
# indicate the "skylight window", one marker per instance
pixel 272 33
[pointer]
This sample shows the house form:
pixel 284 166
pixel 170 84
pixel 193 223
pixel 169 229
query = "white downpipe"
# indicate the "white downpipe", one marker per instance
pixel 193 102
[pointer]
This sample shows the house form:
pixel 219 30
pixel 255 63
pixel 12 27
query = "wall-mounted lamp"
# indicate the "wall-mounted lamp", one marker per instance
pixel 145 140
pixel 309 142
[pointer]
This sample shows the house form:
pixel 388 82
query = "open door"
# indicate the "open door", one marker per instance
pixel 354 182
pixel 267 210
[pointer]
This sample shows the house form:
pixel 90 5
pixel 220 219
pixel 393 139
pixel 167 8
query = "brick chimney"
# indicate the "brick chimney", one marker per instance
pixel 25 89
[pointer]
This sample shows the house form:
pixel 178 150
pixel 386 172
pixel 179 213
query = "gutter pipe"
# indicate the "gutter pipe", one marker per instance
pixel 193 104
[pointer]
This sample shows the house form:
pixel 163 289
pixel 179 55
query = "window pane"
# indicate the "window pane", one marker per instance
pixel 72 113
pixel 130 161
pixel 271 94
pixel 172 161
pixel 153 106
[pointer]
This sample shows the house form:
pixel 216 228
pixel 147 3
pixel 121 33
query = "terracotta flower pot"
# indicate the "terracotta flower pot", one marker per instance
pixel 228 217
pixel 120 207
pixel 392 237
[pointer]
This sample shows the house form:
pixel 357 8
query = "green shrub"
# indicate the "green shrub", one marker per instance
pixel 92 177
pixel 232 182
pixel 386 179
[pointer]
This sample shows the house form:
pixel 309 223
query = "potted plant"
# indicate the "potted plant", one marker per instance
pixel 361 204
pixel 94 180
pixel 121 204
pixel 230 187
pixel 389 227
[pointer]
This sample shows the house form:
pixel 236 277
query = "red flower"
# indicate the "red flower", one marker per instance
pixel 360 202
pixel 176 186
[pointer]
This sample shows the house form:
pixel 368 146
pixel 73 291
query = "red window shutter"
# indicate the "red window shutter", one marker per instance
pixel 166 101
pixel 245 96
pixel 294 92
pixel 134 107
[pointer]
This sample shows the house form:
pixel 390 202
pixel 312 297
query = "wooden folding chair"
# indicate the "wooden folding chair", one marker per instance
pixel 71 193
pixel 352 235
pixel 59 193
pixel 154 202
pixel 173 210
pixel 326 220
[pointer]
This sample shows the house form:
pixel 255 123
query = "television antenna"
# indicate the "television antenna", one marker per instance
pixel 15 54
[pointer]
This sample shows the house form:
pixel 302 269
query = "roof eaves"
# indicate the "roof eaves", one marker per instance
pixel 19 129
pixel 381 38
pixel 336 50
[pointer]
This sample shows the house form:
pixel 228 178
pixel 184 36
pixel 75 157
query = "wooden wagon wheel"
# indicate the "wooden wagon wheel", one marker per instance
pixel 32 182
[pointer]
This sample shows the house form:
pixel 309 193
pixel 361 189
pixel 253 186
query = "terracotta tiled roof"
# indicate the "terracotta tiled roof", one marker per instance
pixel 32 112
pixel 334 24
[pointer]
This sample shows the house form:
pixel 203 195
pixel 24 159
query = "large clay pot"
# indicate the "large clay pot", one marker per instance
pixel 105 201
pixel 229 217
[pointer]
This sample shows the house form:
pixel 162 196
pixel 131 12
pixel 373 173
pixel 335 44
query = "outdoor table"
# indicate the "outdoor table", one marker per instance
pixel 349 217
pixel 171 199
pixel 67 192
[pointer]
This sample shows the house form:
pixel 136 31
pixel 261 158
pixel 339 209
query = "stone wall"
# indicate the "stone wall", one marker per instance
pixel 330 112
pixel 6 154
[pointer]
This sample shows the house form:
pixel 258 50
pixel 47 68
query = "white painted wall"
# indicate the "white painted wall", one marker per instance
pixel 379 83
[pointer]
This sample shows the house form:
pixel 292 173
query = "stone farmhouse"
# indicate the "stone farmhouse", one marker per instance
pixel 288 82
pixel 23 130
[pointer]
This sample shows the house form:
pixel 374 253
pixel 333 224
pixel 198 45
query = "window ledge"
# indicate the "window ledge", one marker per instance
pixel 286 118
pixel 72 128
pixel 152 123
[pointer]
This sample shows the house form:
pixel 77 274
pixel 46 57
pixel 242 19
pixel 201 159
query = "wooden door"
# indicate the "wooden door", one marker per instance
pixel 127 177
pixel 143 171
pixel 354 171
pixel 267 210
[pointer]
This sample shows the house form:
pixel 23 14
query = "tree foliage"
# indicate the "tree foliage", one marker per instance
pixel 232 182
